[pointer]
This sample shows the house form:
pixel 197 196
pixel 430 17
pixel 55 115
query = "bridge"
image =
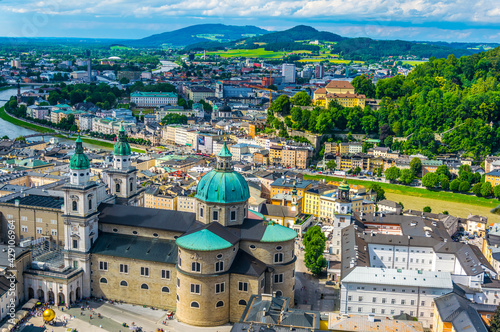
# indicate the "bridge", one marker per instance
pixel 40 135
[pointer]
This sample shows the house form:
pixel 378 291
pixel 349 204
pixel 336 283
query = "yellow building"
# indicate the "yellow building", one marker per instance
pixel 341 92
pixel 275 155
pixel 493 178
pixel 285 186
pixel 312 198
pixel 153 198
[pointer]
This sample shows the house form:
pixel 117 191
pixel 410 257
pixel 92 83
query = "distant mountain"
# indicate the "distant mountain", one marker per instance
pixel 275 40
pixel 200 33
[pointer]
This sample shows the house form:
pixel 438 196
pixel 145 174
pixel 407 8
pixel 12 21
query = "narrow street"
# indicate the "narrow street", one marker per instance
pixel 308 288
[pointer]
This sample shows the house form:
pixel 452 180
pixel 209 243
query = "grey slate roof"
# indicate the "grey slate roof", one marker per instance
pixel 458 311
pixel 136 247
pixel 247 264
pixel 52 202
pixel 174 221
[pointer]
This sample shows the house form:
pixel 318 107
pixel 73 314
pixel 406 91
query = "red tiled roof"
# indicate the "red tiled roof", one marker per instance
pixel 340 85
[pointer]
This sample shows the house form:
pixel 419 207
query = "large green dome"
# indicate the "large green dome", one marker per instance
pixel 222 187
pixel 121 148
pixel 79 160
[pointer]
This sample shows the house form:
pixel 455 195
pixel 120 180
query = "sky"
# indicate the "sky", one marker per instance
pixel 424 20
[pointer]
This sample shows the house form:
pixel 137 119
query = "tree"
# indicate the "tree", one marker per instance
pixel 486 189
pixel 5 137
pixel 443 170
pixel 496 191
pixel 446 212
pixel 416 166
pixel 124 80
pixel 379 190
pixel 392 173
pixel 281 105
pixel 445 183
pixel 363 85
pixel 357 170
pixel 495 321
pixel 476 189
pixel 464 187
pixel 427 209
pixel 332 165
pixel 173 118
pixel 455 185
pixel 406 176
pixel 314 245
pixel 430 180
pixel 301 98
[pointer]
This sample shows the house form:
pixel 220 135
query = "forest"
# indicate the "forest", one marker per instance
pixel 458 98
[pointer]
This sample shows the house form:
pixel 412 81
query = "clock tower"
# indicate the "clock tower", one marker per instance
pixel 80 215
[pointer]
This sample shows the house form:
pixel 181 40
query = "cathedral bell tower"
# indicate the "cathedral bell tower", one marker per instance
pixel 122 178
pixel 80 215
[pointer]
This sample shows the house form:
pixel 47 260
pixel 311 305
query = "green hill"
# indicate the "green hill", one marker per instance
pixel 199 33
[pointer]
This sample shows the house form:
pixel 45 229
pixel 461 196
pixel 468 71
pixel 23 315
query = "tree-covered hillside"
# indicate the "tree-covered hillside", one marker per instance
pixel 457 99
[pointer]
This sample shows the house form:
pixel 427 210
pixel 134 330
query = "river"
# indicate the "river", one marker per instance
pixel 13 131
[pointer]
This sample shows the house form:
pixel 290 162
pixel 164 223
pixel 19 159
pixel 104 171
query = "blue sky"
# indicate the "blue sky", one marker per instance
pixel 461 20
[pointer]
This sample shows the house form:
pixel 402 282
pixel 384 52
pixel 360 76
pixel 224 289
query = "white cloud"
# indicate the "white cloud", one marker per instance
pixel 378 10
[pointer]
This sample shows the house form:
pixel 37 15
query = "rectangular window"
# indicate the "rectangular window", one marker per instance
pixel 262 283
pixel 145 271
pixel 24 229
pixel 243 286
pixel 39 230
pixel 278 278
pixel 233 215
pixel 278 257
pixel 360 299
pixel 220 288
pixel 75 244
pixel 384 300
pixel 24 218
pixel 215 215
pixel 393 301
pixel 123 268
pixel 10 216
pixel 53 222
pixel 103 266
pixel 165 274
pixel 219 266
pixel 38 219
pixel 374 300
pixel 53 232
pixel 195 289
pixel 178 282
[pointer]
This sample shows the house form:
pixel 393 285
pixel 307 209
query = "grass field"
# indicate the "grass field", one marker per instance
pixel 27 125
pixel 417 198
pixel 120 47
pixel 255 53
pixel 413 62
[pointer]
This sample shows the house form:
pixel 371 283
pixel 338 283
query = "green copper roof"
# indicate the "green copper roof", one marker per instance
pixel 79 160
pixel 222 187
pixel 203 240
pixel 121 148
pixel 344 186
pixel 277 233
pixel 224 152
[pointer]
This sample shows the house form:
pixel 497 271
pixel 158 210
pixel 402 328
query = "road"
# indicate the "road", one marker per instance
pixel 308 288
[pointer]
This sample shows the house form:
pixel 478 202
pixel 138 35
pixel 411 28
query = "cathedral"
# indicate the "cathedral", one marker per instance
pixel 205 265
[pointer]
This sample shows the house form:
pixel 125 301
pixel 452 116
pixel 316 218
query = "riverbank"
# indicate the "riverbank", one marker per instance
pixel 444 197
pixel 41 129
pixel 24 124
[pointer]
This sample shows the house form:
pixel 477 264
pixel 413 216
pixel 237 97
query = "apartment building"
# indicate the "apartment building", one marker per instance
pixel 153 99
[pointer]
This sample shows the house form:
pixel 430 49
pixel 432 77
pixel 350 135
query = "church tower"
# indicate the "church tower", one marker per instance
pixel 343 215
pixel 222 194
pixel 122 178
pixel 80 215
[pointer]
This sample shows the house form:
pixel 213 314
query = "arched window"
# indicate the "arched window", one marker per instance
pixel 201 212
pixel 123 283
pixel 144 286
pixel 117 187
pixel 103 281
pixel 90 204
pixel 165 290
pixel 75 206
pixel 195 267
pixel 219 304
pixel 242 302
pixel 131 186
pixel 278 257
pixel 195 304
